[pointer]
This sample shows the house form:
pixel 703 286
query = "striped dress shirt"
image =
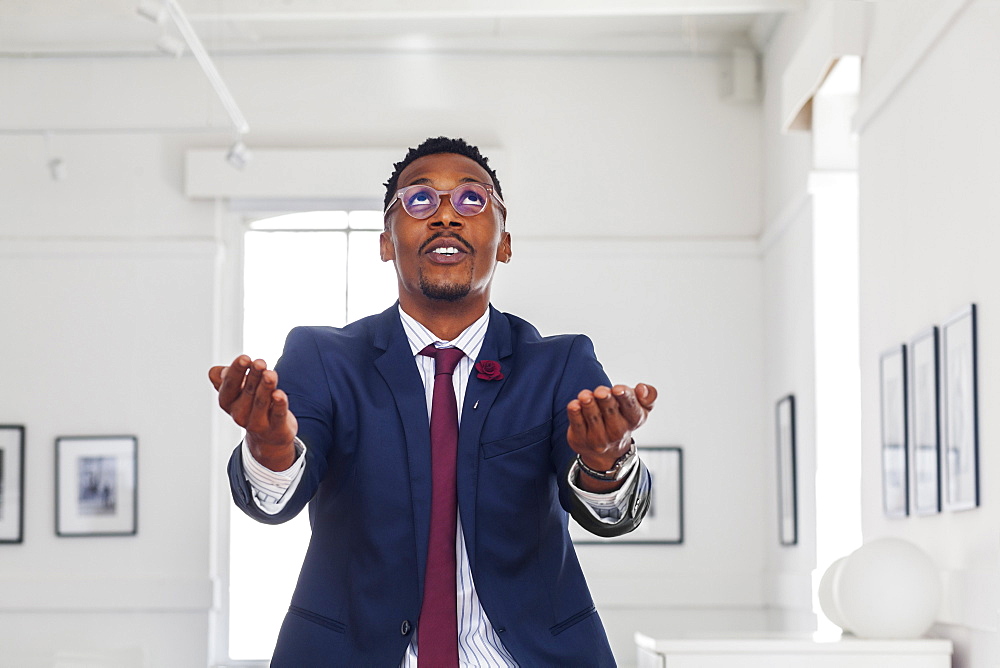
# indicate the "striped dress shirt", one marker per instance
pixel 478 644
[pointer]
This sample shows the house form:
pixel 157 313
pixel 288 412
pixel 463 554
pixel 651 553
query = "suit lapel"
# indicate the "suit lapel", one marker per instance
pixel 400 373
pixel 479 397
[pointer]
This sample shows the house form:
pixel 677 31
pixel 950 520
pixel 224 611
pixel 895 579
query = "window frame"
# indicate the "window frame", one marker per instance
pixel 233 221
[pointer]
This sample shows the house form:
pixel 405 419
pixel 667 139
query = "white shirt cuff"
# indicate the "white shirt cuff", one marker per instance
pixel 272 489
pixel 608 507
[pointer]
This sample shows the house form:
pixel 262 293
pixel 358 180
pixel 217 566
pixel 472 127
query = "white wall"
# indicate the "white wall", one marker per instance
pixel 635 195
pixel 104 338
pixel 696 335
pixel 929 245
pixel 789 346
pixel 788 360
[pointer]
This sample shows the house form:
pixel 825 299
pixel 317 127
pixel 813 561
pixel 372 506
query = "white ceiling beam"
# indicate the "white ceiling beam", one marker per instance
pixel 838 30
pixel 367 10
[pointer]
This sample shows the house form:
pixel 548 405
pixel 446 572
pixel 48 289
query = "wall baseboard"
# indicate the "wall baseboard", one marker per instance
pixel 717 591
pixel 41 594
pixel 129 247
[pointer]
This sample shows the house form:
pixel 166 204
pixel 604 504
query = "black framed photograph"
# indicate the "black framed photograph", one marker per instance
pixel 664 521
pixel 788 502
pixel 96 490
pixel 895 480
pixel 960 411
pixel 925 470
pixel 11 483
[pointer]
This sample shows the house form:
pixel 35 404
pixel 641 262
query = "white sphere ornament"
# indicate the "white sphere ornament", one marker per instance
pixel 827 600
pixel 888 588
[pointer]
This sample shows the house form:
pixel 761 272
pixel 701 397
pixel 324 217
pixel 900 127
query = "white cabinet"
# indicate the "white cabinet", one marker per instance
pixel 791 652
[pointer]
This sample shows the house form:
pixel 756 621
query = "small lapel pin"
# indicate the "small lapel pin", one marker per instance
pixel 475 405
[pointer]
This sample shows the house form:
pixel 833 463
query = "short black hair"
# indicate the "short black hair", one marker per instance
pixel 435 145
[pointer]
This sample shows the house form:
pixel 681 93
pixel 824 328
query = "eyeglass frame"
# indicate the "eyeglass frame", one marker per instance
pixel 440 193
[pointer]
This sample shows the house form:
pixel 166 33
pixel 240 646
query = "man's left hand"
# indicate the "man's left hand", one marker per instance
pixel 601 422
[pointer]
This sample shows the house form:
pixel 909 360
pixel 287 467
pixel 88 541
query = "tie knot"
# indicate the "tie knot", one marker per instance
pixel 445 359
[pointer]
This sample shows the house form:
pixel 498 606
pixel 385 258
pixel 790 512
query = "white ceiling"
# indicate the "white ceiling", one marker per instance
pixel 65 28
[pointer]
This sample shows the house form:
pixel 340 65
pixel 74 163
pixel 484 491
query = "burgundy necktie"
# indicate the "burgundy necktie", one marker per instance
pixel 437 628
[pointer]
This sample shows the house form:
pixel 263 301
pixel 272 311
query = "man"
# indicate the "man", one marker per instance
pixel 446 546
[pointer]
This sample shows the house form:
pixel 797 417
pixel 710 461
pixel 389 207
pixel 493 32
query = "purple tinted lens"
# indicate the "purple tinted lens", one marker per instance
pixel 420 201
pixel 469 199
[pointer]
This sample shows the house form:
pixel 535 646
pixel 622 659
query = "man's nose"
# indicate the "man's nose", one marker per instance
pixel 446 216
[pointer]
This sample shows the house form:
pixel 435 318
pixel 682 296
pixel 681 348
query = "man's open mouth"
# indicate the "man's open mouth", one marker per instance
pixel 446 246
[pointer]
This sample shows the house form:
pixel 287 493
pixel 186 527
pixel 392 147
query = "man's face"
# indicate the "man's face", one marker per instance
pixel 424 272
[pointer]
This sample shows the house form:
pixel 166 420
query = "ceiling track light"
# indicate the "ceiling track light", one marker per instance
pixel 56 165
pixel 157 12
pixel 239 156
pixel 170 45
pixel 57 169
pixel 152 10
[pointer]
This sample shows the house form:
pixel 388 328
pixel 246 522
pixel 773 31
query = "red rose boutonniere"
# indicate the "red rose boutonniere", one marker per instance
pixel 488 370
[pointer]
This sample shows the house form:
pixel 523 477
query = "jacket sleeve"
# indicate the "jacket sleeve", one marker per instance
pixel 638 504
pixel 583 371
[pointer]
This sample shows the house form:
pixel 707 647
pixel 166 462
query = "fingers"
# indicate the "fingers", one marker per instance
pixel 616 423
pixel 261 402
pixel 646 394
pixel 249 392
pixel 242 404
pixel 592 413
pixel 252 380
pixel 607 415
pixel 631 410
pixel 245 389
pixel 231 381
pixel 278 414
pixel 577 431
pixel 215 376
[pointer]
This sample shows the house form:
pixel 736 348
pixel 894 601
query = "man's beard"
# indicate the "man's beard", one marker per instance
pixel 448 292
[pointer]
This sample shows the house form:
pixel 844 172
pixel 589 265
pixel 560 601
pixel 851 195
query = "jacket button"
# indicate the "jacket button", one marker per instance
pixel 405 627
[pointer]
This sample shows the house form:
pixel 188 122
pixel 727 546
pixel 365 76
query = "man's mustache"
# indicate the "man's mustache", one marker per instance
pixel 451 235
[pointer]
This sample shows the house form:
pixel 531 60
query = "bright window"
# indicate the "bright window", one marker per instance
pixel 314 268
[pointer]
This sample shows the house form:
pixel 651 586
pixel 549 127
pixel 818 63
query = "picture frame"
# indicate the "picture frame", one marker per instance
pixel 11 483
pixel 895 463
pixel 664 521
pixel 925 432
pixel 96 485
pixel 788 506
pixel 960 411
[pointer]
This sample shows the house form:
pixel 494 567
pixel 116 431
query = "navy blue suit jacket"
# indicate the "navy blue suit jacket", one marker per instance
pixel 362 414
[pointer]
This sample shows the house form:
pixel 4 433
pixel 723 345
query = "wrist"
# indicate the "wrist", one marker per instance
pixel 604 471
pixel 274 456
pixel 597 463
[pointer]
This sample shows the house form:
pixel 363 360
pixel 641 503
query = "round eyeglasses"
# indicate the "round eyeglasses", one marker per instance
pixel 468 199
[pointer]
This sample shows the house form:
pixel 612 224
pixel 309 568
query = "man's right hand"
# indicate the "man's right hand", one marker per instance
pixel 249 392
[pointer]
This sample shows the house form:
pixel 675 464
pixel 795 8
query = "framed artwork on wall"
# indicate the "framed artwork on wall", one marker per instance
pixel 788 501
pixel 96 490
pixel 960 411
pixel 664 521
pixel 892 375
pixel 11 483
pixel 925 477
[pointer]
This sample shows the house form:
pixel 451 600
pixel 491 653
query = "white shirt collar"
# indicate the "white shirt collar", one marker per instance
pixel 469 341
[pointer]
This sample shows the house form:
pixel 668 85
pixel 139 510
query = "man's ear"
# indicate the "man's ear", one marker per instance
pixel 503 250
pixel 385 248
